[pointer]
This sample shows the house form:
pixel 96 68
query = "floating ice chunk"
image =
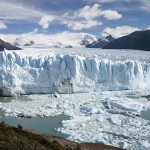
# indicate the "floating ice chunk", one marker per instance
pixel 115 119
pixel 145 145
pixel 89 110
pixel 85 124
pixel 56 95
pixel 126 104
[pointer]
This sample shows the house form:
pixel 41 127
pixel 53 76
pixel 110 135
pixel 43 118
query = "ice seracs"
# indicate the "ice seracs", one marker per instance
pixel 105 114
pixel 29 72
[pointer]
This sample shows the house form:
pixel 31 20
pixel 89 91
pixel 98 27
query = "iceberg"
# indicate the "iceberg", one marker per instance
pixel 126 104
pixel 50 71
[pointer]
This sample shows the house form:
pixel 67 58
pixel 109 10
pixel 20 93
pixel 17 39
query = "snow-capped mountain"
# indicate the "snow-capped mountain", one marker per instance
pixel 100 42
pixel 88 39
pixel 23 42
pixel 139 40
pixel 83 40
pixel 47 42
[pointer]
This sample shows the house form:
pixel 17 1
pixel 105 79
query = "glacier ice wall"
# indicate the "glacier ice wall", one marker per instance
pixel 64 73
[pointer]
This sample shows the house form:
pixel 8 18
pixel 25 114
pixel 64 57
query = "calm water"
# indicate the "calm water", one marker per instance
pixel 146 114
pixel 46 125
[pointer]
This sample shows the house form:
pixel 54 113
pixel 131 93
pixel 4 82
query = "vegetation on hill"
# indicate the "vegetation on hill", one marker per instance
pixel 12 138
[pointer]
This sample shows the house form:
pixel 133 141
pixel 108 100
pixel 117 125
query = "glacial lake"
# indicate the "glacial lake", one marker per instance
pixel 145 114
pixel 48 125
pixel 73 105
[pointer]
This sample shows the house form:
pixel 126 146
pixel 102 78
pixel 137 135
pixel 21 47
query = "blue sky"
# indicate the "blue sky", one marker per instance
pixel 117 17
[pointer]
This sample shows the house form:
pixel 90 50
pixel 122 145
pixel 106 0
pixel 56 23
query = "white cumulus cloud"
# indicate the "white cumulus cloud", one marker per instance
pixel 45 21
pixel 79 25
pixel 119 31
pixel 88 12
pixel 111 14
pixel 148 28
pixel 3 25
pixel 92 12
pixel 88 17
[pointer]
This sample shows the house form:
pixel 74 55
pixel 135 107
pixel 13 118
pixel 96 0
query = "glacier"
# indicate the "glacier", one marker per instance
pixel 101 90
pixel 34 71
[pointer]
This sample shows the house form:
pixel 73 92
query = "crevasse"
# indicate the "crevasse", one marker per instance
pixel 64 73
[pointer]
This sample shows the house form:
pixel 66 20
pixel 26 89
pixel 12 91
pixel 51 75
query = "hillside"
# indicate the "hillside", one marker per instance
pixel 100 42
pixel 12 138
pixel 8 46
pixel 139 40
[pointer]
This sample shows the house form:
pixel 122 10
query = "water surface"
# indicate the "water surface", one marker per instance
pixel 48 125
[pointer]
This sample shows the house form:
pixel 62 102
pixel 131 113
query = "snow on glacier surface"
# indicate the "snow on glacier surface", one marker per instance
pixel 36 70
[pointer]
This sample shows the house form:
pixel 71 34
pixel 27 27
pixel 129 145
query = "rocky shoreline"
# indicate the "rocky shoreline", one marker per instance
pixel 19 138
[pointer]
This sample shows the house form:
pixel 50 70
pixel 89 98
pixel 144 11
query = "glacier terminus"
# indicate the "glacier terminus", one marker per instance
pixel 48 71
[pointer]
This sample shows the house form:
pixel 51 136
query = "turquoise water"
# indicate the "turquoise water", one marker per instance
pixel 46 125
pixel 146 114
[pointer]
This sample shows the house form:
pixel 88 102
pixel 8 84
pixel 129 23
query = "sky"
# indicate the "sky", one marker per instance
pixel 53 17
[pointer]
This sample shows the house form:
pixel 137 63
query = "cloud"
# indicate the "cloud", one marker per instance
pixel 119 31
pixel 105 1
pixel 146 5
pixel 68 38
pixel 92 12
pixel 122 4
pixel 101 1
pixel 45 21
pixel 148 28
pixel 17 12
pixel 88 17
pixel 88 12
pixel 2 25
pixel 111 15
pixel 83 18
pixel 34 31
pixel 79 25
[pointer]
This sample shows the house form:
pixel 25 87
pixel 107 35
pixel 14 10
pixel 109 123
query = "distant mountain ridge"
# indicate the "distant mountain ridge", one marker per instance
pixel 100 42
pixel 8 46
pixel 20 41
pixel 139 40
pixel 84 40
pixel 23 42
pixel 88 39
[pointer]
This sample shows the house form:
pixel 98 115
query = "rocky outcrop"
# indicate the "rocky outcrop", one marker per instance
pixel 101 42
pixel 8 46
pixel 18 138
pixel 139 40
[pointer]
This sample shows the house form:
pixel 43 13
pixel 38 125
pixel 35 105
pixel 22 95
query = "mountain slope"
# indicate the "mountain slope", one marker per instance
pixel 87 39
pixel 139 40
pixel 8 46
pixel 23 42
pixel 101 42
pixel 12 138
